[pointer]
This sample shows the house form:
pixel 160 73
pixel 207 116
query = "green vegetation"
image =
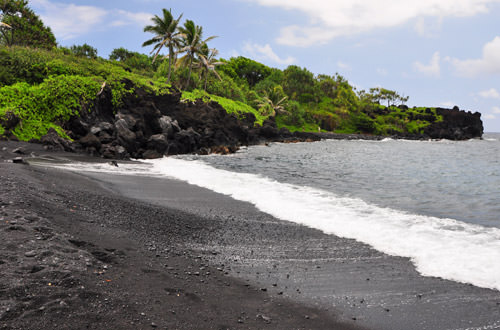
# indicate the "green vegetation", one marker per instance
pixel 46 105
pixel 166 34
pixel 231 106
pixel 22 27
pixel 43 85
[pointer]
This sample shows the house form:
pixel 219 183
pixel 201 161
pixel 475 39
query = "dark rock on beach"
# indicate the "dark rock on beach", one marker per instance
pixel 52 141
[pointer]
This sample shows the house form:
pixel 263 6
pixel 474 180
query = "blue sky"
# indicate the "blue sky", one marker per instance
pixel 439 52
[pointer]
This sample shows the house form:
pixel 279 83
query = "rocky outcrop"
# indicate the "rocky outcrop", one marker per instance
pixel 456 125
pixel 53 141
pixel 150 126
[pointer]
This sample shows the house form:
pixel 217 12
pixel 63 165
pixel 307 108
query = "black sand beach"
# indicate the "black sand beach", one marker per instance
pixel 93 251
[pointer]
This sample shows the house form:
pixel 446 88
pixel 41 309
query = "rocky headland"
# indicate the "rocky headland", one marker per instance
pixel 150 126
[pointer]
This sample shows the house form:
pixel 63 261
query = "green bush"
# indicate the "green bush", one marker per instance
pixel 296 114
pixel 363 123
pixel 47 105
pixel 226 88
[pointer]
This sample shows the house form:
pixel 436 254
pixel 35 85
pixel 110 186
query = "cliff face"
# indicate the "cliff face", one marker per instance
pixel 149 126
pixel 456 125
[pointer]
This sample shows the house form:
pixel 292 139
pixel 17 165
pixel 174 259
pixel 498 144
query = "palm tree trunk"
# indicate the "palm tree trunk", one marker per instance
pixel 206 78
pixel 170 59
pixel 190 68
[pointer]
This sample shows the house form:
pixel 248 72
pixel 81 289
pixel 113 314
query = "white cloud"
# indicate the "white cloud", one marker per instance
pixel 296 35
pixel 126 18
pixel 334 18
pixel 489 116
pixel 496 110
pixel 491 93
pixel 428 27
pixel 265 52
pixel 69 21
pixel 489 63
pixel 432 69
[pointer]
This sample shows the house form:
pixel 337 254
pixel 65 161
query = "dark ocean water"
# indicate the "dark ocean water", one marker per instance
pixel 435 202
pixel 446 179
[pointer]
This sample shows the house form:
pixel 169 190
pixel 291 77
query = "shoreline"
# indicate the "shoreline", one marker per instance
pixel 314 280
pixel 79 255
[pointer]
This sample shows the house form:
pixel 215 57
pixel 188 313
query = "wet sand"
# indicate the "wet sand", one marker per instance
pixel 350 279
pixel 163 236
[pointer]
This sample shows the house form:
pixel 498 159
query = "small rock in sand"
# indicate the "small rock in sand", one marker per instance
pixel 20 150
pixel 30 254
pixel 19 160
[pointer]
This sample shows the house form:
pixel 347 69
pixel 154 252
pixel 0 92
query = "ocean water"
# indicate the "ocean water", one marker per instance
pixel 436 202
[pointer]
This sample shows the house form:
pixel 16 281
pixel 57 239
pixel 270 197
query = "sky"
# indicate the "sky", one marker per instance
pixel 437 52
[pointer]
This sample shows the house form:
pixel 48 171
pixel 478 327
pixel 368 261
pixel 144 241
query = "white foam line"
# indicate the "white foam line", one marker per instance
pixel 438 247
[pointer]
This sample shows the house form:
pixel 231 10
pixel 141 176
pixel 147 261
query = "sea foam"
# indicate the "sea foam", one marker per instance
pixel 438 247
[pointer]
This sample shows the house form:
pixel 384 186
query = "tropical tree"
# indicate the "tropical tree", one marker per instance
pixel 166 34
pixel 297 81
pixel 133 60
pixel 26 28
pixel 247 70
pixel 379 93
pixel 84 50
pixel 192 44
pixel 273 102
pixel 208 63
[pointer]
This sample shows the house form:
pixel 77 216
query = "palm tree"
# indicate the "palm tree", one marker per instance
pixel 4 24
pixel 193 43
pixel 274 100
pixel 208 62
pixel 166 34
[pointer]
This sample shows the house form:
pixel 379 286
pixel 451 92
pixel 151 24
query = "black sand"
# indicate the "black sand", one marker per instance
pixel 95 251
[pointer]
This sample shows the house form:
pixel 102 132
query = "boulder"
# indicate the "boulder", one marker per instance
pixel 158 142
pixel 151 154
pixel 125 136
pixel 90 140
pixel 110 152
pixel 187 141
pixel 10 120
pixel 129 120
pixel 168 126
pixel 104 137
pixel 269 132
pixel 102 127
pixel 53 141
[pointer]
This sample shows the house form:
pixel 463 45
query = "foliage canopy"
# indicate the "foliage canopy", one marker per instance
pixel 44 87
